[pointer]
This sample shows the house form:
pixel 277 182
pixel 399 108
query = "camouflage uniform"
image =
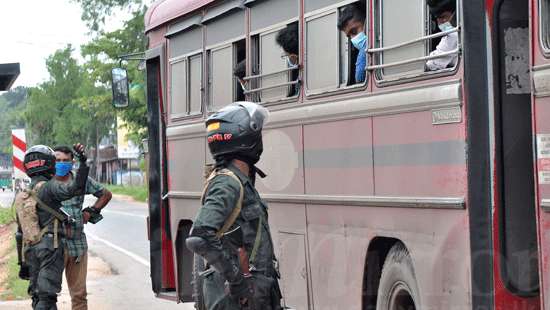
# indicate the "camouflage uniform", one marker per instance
pixel 44 260
pixel 221 197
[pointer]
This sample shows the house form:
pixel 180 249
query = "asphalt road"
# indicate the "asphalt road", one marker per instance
pixel 120 240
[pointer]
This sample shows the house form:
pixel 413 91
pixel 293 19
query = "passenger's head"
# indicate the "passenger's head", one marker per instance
pixel 64 158
pixel 287 38
pixel 240 71
pixel 443 10
pixel 352 20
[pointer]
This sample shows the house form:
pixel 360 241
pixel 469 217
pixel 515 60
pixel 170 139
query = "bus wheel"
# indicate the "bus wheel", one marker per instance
pixel 198 267
pixel 398 289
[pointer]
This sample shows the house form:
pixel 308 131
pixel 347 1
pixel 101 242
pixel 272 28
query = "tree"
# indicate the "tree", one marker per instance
pixel 12 106
pixel 94 12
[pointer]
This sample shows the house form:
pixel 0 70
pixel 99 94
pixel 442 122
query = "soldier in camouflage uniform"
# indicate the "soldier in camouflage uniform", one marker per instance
pixel 235 141
pixel 45 259
pixel 76 246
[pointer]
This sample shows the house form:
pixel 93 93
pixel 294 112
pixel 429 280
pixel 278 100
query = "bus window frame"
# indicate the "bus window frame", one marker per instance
pixel 187 114
pixel 338 88
pixel 214 47
pixel 380 81
pixel 256 49
pixel 544 22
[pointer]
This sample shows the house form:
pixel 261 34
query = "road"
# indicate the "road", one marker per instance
pixel 120 241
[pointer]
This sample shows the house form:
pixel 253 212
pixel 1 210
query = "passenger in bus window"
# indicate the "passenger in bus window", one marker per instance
pixel 287 39
pixel 352 23
pixel 240 72
pixel 444 12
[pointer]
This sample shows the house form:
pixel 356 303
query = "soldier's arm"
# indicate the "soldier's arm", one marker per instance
pixel 60 191
pixel 220 199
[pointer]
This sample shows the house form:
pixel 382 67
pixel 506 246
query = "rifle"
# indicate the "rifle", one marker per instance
pixel 235 237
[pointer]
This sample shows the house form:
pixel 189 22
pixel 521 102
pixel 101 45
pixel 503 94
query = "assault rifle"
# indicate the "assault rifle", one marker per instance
pixel 235 237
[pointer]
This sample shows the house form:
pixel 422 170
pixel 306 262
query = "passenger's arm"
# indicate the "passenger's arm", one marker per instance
pixel 448 43
pixel 360 65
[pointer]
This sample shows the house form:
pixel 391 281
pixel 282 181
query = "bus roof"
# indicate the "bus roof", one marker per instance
pixel 162 11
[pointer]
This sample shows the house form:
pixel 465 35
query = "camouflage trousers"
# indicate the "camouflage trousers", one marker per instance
pixel 46 272
pixel 267 295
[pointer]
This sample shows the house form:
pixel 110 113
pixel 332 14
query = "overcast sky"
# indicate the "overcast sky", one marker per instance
pixel 31 30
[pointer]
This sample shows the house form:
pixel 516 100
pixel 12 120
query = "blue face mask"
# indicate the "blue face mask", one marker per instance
pixel 62 168
pixel 445 26
pixel 359 41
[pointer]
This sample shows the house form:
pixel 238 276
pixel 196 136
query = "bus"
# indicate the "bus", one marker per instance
pixel 414 189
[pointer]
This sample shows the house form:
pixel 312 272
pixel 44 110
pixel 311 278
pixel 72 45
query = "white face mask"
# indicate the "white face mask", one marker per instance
pixel 445 26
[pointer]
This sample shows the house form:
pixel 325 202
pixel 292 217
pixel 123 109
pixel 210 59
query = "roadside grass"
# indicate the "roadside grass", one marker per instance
pixel 139 193
pixel 16 288
pixel 7 215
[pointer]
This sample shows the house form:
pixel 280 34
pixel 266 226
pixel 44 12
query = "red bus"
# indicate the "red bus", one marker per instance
pixel 413 190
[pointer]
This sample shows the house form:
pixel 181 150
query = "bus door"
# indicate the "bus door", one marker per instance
pixel 161 259
pixel 516 249
pixel 540 72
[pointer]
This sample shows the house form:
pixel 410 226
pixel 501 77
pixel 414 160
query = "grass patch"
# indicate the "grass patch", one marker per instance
pixel 7 215
pixel 139 193
pixel 15 288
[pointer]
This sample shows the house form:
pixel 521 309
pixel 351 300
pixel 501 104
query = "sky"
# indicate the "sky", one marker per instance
pixel 31 30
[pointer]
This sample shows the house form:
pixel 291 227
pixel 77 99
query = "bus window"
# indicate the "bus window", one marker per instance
pixel 414 37
pixel 224 39
pixel 332 59
pixel 178 89
pixel 185 45
pixel 545 23
pixel 275 38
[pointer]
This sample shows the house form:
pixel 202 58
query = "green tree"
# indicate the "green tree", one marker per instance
pixel 12 107
pixel 94 12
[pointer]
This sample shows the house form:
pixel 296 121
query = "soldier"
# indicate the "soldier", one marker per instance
pixel 232 204
pixel 45 258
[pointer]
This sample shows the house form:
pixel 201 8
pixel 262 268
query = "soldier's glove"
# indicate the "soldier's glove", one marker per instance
pixel 80 153
pixel 242 291
pixel 24 272
pixel 95 214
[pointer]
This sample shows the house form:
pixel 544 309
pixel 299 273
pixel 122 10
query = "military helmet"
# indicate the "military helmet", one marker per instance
pixel 39 160
pixel 437 7
pixel 236 131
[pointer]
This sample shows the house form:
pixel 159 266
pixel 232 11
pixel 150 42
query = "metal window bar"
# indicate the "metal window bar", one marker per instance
pixel 255 90
pixel 252 77
pixel 408 61
pixel 424 38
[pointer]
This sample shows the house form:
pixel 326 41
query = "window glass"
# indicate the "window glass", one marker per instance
pixel 178 89
pixel 221 75
pixel 271 61
pixel 312 5
pixel 185 42
pixel 225 28
pixel 195 78
pixel 402 21
pixel 321 60
pixel 545 23
pixel 268 13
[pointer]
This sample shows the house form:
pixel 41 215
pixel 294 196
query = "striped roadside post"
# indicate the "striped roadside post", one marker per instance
pixel 19 149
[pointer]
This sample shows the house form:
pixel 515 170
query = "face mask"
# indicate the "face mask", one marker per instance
pixel 359 41
pixel 242 86
pixel 289 63
pixel 63 168
pixel 445 26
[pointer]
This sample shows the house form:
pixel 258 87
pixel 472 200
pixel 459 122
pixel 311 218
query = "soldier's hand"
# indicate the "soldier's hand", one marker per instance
pixel 80 152
pixel 242 291
pixel 24 272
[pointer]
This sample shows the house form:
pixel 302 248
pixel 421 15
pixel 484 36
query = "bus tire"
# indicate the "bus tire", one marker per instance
pixel 398 289
pixel 199 266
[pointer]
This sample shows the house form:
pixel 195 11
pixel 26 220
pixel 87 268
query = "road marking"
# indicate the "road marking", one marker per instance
pixel 133 256
pixel 125 213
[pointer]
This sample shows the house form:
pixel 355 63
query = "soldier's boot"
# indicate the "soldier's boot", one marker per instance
pixel 46 302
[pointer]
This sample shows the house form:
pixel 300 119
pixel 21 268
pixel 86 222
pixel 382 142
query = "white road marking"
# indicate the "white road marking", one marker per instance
pixel 125 213
pixel 133 256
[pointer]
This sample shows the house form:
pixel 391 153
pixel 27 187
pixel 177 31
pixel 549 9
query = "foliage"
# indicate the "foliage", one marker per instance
pixel 12 106
pixel 7 215
pixel 15 287
pixel 139 193
pixel 94 12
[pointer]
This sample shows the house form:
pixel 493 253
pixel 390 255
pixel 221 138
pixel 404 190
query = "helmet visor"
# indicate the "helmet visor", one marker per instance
pixel 257 112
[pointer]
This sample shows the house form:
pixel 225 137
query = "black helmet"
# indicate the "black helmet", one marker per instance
pixel 439 6
pixel 39 160
pixel 236 132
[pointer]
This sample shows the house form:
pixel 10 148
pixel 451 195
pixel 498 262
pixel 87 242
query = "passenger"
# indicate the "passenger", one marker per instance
pixel 240 72
pixel 444 13
pixel 288 40
pixel 352 23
